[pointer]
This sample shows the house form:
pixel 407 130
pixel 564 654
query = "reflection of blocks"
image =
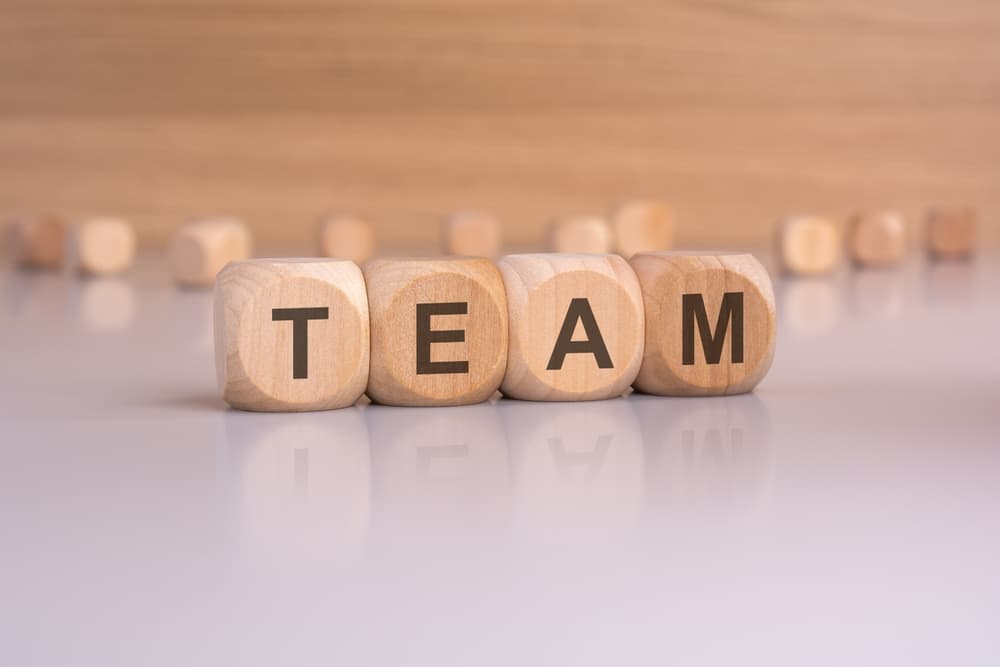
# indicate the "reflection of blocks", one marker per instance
pixel 876 238
pixel 808 245
pixel 347 237
pixel 642 226
pixel 291 334
pixel 576 326
pixel 472 235
pixel 104 246
pixel 439 330
pixel 710 323
pixel 580 234
pixel 200 249
pixel 39 243
pixel 951 233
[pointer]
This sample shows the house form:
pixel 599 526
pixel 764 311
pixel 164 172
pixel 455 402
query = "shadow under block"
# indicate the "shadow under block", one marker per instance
pixel 291 335
pixel 876 238
pixel 472 234
pixel 584 234
pixel 347 237
pixel 438 330
pixel 642 226
pixel 39 243
pixel 576 326
pixel 201 248
pixel 951 233
pixel 103 246
pixel 808 245
pixel 710 323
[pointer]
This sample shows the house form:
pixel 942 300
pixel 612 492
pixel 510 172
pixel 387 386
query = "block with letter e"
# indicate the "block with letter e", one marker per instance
pixel 438 330
pixel 291 334
pixel 710 323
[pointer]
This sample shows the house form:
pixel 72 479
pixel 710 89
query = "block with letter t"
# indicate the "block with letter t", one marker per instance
pixel 438 330
pixel 710 323
pixel 291 334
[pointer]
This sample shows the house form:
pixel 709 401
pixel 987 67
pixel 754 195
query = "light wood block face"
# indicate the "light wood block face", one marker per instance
pixel 39 243
pixel 104 246
pixel 472 234
pixel 583 234
pixel 876 238
pixel 291 335
pixel 347 237
pixel 951 233
pixel 576 326
pixel 200 249
pixel 710 323
pixel 808 245
pixel 438 330
pixel 642 226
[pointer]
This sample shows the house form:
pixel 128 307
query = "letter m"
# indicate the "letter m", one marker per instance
pixel 730 314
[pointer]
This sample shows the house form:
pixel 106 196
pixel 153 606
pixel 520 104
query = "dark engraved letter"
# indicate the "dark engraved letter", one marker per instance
pixel 300 334
pixel 425 337
pixel 579 310
pixel 693 311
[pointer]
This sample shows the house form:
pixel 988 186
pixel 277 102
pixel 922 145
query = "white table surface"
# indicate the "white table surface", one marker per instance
pixel 846 513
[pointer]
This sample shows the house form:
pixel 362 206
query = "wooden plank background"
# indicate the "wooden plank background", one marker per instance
pixel 736 111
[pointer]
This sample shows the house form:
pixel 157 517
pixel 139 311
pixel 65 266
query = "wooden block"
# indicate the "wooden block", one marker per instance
pixel 876 238
pixel 103 246
pixel 347 237
pixel 291 334
pixel 580 235
pixel 201 248
pixel 576 326
pixel 710 323
pixel 439 330
pixel 642 226
pixel 951 233
pixel 808 245
pixel 472 234
pixel 39 243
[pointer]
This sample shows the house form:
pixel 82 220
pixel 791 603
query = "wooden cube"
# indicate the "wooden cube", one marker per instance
pixel 710 323
pixel 472 234
pixel 808 245
pixel 347 237
pixel 951 233
pixel 439 330
pixel 576 326
pixel 103 246
pixel 876 238
pixel 642 226
pixel 291 334
pixel 582 234
pixel 201 248
pixel 38 243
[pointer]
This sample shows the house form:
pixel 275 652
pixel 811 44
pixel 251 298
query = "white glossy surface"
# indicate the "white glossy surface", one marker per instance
pixel 844 514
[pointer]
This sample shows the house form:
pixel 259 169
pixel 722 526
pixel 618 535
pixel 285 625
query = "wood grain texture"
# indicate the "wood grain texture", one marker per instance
pixel 736 112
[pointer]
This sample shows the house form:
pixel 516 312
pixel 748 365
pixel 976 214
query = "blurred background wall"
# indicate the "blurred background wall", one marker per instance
pixel 735 111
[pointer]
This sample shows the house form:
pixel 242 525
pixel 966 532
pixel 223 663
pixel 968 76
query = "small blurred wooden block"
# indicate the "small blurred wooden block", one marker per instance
pixel 876 238
pixel 580 235
pixel 576 326
pixel 347 237
pixel 201 248
pixel 291 335
pixel 472 234
pixel 710 323
pixel 439 330
pixel 808 245
pixel 642 226
pixel 39 243
pixel 103 246
pixel 951 233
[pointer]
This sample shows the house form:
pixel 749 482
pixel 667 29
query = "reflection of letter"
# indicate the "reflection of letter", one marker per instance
pixel 693 310
pixel 425 337
pixel 426 455
pixel 300 334
pixel 593 460
pixel 302 472
pixel 712 448
pixel 579 311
